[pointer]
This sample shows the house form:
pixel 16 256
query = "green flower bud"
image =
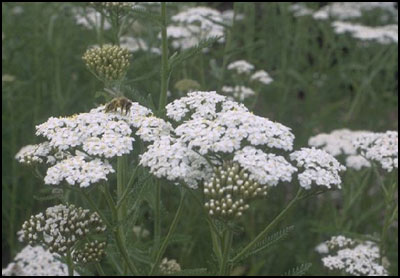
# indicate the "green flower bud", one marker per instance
pixel 108 62
pixel 230 190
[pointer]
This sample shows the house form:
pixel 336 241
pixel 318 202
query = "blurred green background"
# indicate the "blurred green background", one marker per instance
pixel 322 81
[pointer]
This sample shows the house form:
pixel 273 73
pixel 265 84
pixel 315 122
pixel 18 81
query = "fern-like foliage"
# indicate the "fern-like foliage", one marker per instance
pixel 298 270
pixel 268 241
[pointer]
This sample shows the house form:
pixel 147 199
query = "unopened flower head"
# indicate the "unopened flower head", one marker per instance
pixel 36 261
pixel 230 190
pixel 354 257
pixel 108 62
pixel 187 85
pixel 91 252
pixel 319 166
pixel 61 227
pixel 169 267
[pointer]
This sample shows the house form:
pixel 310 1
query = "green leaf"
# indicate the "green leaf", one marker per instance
pixel 268 241
pixel 298 270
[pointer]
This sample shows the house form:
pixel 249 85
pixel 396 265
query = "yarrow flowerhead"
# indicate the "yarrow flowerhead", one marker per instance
pixel 36 261
pixel 319 167
pixel 61 227
pixel 108 62
pixel 78 147
pixel 219 144
pixel 246 82
pixel 359 258
pixel 340 142
pixel 380 147
pixel 191 26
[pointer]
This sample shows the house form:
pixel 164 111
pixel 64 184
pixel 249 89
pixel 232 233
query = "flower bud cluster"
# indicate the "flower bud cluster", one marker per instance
pixel 61 227
pixel 230 190
pixel 108 62
pixel 169 266
pixel 187 85
pixel 91 252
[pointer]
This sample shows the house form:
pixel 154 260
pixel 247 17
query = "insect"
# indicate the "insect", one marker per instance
pixel 119 102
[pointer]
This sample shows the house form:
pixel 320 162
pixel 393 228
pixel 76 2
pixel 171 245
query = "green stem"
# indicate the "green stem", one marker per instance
pixel 227 48
pixel 164 59
pixel 118 233
pixel 227 244
pixel 122 248
pixel 157 217
pixel 100 269
pixel 263 233
pixel 171 230
pixel 127 189
pixel 70 264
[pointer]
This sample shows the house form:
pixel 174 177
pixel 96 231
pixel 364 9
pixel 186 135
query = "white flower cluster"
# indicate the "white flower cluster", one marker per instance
pixel 60 227
pixel 243 75
pixel 354 257
pixel 320 167
pixel 266 168
pixel 94 137
pixel 238 92
pixel 380 147
pixel 341 11
pixel 168 267
pixel 137 44
pixel 349 10
pixel 36 261
pixel 241 67
pixel 382 34
pixel 76 170
pixel 340 142
pixel 90 18
pixel 34 153
pixel 195 24
pixel 262 76
pixel 213 126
